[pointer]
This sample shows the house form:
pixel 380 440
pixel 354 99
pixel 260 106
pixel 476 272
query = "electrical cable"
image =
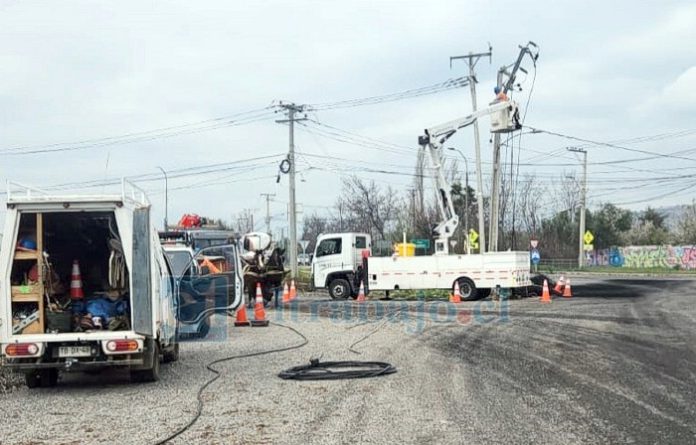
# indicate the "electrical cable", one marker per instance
pixel 337 370
pixel 218 374
pixel 449 84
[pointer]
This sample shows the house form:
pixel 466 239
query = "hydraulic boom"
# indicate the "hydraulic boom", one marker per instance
pixel 504 119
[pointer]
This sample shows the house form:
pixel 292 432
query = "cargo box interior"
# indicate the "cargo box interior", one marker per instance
pixel 69 274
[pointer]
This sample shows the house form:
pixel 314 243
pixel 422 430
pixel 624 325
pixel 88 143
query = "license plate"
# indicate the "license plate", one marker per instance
pixel 74 351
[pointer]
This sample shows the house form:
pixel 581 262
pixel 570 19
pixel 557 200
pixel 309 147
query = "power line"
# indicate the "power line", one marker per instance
pixel 145 136
pixel 610 145
pixel 449 84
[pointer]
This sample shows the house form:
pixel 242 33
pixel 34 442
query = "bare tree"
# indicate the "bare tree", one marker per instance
pixel 370 208
pixel 568 193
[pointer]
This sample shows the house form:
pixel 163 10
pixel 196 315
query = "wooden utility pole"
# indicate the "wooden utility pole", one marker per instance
pixel 291 110
pixel 472 59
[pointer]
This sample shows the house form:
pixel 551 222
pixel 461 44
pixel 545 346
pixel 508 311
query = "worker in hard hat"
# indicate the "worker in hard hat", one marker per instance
pixel 500 94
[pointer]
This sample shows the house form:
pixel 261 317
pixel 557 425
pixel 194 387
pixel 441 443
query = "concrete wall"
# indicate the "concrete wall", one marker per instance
pixel 645 256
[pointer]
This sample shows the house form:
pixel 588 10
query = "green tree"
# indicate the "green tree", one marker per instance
pixel 609 225
pixel 654 217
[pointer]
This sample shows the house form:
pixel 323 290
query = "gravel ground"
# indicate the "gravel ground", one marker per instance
pixel 615 364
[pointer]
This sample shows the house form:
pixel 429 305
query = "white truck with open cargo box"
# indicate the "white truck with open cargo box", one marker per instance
pixel 342 260
pixel 122 310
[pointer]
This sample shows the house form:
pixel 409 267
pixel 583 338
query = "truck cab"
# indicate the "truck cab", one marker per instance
pixel 337 262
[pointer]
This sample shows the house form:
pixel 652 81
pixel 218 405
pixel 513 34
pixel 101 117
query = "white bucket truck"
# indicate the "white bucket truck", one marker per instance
pixel 341 260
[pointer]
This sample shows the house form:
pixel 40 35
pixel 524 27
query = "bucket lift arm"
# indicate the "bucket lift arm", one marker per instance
pixel 505 119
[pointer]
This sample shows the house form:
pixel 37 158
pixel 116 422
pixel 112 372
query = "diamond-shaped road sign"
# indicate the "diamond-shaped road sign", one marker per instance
pixel 588 237
pixel 473 236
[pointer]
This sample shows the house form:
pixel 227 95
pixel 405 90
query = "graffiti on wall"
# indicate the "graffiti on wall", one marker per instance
pixel 674 257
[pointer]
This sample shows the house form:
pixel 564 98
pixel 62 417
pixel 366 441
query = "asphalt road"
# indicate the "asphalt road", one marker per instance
pixel 614 364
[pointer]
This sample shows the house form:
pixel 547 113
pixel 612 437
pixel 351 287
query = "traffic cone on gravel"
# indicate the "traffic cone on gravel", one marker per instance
pixel 559 285
pixel 286 293
pixel 293 290
pixel 259 311
pixel 76 292
pixel 361 293
pixel 457 296
pixel 567 293
pixel 241 316
pixel 545 295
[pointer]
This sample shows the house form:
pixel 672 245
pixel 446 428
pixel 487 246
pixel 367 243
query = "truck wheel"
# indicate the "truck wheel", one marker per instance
pixel 172 354
pixel 49 378
pixel 467 289
pixel 41 378
pixel 339 289
pixel 152 374
pixel 32 379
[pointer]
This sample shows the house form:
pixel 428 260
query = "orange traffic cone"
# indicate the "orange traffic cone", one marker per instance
pixel 545 295
pixel 259 311
pixel 293 290
pixel 559 285
pixel 286 293
pixel 567 292
pixel 361 293
pixel 76 292
pixel 457 296
pixel 241 319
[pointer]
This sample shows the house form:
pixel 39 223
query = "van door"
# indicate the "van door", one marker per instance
pixel 140 272
pixel 212 284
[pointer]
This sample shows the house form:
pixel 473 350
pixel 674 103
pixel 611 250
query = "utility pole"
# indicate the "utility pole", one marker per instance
pixel 472 59
pixel 583 205
pixel 268 197
pixel 511 72
pixel 166 198
pixel 495 185
pixel 292 109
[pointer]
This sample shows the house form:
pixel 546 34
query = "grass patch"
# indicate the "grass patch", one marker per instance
pixel 9 380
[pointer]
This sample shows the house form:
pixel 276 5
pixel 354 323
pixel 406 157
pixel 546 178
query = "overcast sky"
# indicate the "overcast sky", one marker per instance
pixel 78 70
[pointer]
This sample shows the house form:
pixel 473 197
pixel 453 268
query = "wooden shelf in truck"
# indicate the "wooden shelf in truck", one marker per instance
pixel 32 293
pixel 26 294
pixel 26 255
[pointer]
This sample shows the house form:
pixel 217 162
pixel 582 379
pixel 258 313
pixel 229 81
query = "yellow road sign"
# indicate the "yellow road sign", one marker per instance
pixel 473 236
pixel 588 237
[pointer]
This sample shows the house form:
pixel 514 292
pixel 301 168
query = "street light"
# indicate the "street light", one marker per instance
pixel 166 198
pixel 466 199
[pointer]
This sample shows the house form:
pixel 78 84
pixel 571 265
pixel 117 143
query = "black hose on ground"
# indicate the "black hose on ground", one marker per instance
pixel 218 374
pixel 317 370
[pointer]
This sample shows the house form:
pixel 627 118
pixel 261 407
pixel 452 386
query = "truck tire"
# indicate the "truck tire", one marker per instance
pixel 153 373
pixel 467 289
pixel 45 378
pixel 339 289
pixel 32 379
pixel 172 355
